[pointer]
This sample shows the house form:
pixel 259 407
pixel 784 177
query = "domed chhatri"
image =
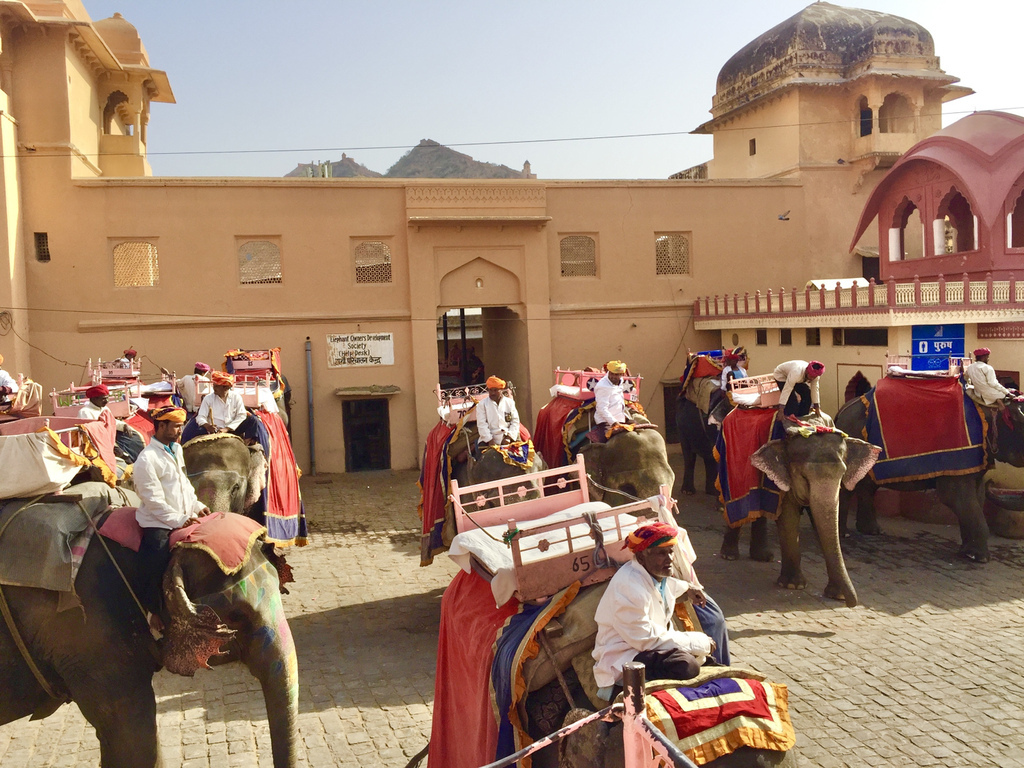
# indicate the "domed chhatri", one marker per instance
pixel 825 44
pixel 123 39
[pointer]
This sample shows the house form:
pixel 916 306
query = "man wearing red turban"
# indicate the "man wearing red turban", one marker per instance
pixel 189 386
pixel 127 442
pixel 634 617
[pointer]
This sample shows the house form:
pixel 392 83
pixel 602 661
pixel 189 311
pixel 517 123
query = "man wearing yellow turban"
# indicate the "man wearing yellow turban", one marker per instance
pixel 168 499
pixel 497 420
pixel 609 399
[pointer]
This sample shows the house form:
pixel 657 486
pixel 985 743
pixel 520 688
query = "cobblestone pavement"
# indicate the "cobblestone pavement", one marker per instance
pixel 926 671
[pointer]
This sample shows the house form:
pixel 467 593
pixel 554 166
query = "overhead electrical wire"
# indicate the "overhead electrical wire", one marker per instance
pixel 29 151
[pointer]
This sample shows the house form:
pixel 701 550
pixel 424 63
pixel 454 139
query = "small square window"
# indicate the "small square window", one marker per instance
pixel 761 337
pixel 813 337
pixel 785 337
pixel 753 147
pixel 42 246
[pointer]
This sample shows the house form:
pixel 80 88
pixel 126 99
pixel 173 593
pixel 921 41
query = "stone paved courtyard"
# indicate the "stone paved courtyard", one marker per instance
pixel 928 670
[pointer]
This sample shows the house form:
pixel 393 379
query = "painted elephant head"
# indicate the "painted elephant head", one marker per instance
pixel 228 475
pixel 810 465
pixel 635 463
pixel 103 657
pixel 220 618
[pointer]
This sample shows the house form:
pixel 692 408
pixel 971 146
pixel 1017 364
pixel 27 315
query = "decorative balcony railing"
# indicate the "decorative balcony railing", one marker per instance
pixel 963 293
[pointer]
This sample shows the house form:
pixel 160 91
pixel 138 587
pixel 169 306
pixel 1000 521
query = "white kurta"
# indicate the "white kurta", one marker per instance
pixel 633 617
pixel 794 372
pixel 229 412
pixel 987 389
pixel 168 498
pixel 190 391
pixel 90 411
pixel 609 402
pixel 738 372
pixel 495 420
pixel 6 380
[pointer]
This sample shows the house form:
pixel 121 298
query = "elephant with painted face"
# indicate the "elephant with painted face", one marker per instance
pixel 228 475
pixel 629 466
pixel 103 657
pixel 964 494
pixel 810 467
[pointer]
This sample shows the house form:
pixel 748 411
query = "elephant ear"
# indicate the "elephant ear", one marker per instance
pixel 771 459
pixel 860 458
pixel 257 479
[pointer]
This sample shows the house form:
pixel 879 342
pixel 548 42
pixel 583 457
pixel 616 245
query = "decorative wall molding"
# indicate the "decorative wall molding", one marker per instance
pixel 504 195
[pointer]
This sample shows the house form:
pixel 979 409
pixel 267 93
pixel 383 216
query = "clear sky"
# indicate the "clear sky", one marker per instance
pixel 304 80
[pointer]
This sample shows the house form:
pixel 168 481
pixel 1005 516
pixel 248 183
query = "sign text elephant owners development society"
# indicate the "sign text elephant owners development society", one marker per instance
pixel 356 349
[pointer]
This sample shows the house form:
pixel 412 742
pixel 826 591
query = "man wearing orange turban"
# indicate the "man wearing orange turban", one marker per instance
pixel 222 410
pixel 497 420
pixel 634 617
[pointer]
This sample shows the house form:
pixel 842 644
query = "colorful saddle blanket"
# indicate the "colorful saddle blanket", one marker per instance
pixel 226 537
pixel 926 428
pixel 520 454
pixel 745 492
pixel 722 715
pixel 551 422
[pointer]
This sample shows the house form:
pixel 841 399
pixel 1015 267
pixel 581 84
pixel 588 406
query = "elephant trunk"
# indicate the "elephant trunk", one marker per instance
pixel 824 505
pixel 270 657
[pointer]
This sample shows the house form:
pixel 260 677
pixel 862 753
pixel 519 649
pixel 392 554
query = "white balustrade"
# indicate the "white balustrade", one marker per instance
pixel 955 292
pixel 1000 291
pixel 929 293
pixel 979 292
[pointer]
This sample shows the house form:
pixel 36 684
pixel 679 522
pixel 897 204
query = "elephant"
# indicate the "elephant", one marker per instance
pixel 697 438
pixel 810 470
pixel 964 494
pixel 630 465
pixel 228 475
pixel 103 657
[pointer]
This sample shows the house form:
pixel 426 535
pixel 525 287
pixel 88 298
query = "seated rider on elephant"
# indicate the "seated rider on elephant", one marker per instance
pixel 634 617
pixel 497 420
pixel 987 392
pixel 128 444
pixel 168 499
pixel 610 401
pixel 223 410
pixel 800 378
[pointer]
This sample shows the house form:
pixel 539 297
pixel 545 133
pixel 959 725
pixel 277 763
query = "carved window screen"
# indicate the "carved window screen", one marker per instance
pixel 373 262
pixel 578 255
pixel 672 254
pixel 136 265
pixel 259 262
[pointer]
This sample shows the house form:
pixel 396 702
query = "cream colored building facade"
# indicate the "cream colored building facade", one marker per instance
pixel 100 255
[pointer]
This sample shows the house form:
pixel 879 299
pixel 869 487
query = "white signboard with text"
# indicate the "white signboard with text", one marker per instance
pixel 349 350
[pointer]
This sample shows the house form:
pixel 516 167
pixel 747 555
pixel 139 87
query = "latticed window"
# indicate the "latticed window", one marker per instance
pixel 373 262
pixel 259 261
pixel 578 255
pixel 672 254
pixel 135 265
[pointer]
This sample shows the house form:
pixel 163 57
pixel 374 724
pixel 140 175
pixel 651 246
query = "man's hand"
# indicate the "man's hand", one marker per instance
pixel 696 597
pixel 210 428
pixel 191 521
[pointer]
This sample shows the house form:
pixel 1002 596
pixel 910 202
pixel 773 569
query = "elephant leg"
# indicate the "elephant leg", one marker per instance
pixel 689 465
pixel 710 473
pixel 759 549
pixel 962 495
pixel 789 539
pixel 730 545
pixel 847 501
pixel 124 717
pixel 867 519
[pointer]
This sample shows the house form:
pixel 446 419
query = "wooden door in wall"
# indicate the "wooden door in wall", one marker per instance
pixel 367 428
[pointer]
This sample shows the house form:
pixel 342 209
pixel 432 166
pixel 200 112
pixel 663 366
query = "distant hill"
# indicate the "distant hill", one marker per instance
pixel 343 169
pixel 427 160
